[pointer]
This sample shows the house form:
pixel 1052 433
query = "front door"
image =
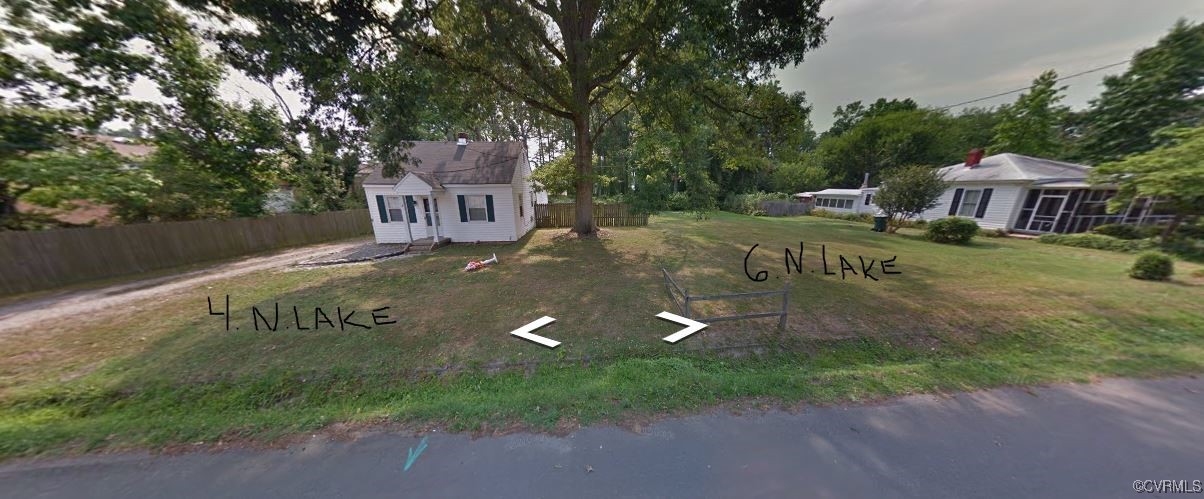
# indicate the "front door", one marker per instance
pixel 1045 217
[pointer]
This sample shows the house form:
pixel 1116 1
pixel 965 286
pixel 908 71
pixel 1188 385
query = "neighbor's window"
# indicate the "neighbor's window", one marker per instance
pixel 520 206
pixel 847 204
pixel 396 208
pixel 476 208
pixel 969 203
pixel 868 199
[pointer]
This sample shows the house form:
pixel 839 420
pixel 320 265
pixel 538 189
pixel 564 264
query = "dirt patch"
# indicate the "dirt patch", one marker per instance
pixel 110 300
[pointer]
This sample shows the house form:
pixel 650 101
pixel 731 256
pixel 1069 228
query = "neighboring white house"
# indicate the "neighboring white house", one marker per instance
pixel 459 191
pixel 1032 195
pixel 842 200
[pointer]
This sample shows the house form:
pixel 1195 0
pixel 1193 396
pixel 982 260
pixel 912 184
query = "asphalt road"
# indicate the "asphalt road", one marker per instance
pixel 1061 441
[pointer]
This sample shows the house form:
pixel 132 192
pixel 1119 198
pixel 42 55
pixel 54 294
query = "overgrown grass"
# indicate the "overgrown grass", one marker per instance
pixel 994 312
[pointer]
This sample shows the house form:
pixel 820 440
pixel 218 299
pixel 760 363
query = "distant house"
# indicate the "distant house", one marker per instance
pixel 454 191
pixel 1033 195
pixel 849 201
pixel 841 200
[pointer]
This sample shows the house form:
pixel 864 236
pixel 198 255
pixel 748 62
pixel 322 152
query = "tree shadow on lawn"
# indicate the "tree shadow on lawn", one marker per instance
pixel 604 302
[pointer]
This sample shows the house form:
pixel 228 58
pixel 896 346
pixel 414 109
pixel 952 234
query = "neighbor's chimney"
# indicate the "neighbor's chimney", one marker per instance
pixel 461 139
pixel 865 182
pixel 974 158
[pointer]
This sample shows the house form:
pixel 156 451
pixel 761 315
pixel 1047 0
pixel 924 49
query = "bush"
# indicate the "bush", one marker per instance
pixel 952 230
pixel 852 217
pixel 1128 232
pixel 1152 266
pixel 678 201
pixel 750 204
pixel 993 232
pixel 1098 241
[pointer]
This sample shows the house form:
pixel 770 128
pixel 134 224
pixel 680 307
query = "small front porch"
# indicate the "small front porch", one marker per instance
pixel 426 244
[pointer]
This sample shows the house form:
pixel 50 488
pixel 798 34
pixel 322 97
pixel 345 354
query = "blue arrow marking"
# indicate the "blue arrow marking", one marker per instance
pixel 414 454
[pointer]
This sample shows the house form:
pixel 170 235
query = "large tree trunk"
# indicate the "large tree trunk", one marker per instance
pixel 583 161
pixel 8 202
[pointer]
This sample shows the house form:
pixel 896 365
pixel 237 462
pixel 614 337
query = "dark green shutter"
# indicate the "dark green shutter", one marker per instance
pixel 982 203
pixel 489 205
pixel 463 209
pixel 957 201
pixel 410 209
pixel 380 208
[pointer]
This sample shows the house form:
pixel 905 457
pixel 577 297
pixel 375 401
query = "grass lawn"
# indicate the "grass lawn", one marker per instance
pixel 999 311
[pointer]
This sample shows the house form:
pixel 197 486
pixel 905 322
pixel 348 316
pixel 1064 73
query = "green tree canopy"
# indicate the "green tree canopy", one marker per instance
pixel 1171 173
pixel 1161 88
pixel 1032 125
pixel 564 59
pixel 908 191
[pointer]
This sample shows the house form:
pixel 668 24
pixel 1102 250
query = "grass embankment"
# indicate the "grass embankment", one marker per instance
pixel 996 312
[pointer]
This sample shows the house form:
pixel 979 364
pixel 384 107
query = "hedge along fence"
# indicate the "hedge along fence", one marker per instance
pixel 605 215
pixel 36 260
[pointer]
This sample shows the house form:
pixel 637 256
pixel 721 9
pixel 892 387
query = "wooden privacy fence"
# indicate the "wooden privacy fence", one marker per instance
pixel 686 299
pixel 34 260
pixel 605 215
pixel 783 208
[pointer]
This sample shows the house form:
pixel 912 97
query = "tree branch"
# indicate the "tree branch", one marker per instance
pixel 602 126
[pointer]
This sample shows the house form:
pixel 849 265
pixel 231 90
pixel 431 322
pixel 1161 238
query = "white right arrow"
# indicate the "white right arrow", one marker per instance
pixel 693 326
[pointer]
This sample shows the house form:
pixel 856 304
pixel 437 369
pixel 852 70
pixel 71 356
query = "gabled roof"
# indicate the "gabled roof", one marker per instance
pixel 427 178
pixel 443 162
pixel 1015 167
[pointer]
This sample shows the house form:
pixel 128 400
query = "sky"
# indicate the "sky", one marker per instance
pixel 941 52
pixel 938 52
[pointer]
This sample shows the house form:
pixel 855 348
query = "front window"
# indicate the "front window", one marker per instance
pixel 969 203
pixel 520 206
pixel 476 208
pixel 396 208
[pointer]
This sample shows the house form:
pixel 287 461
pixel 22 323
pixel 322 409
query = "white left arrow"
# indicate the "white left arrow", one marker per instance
pixel 525 332
pixel 693 326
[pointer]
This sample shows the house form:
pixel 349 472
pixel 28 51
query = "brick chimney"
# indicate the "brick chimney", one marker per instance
pixel 974 157
pixel 461 139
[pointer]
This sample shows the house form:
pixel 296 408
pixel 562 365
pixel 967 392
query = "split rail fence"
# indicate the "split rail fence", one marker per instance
pixel 686 299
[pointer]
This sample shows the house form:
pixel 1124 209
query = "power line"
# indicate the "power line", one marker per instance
pixel 1001 94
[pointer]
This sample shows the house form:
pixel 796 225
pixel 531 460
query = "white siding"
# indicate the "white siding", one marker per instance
pixel 393 231
pixel 521 184
pixel 1001 209
pixel 502 228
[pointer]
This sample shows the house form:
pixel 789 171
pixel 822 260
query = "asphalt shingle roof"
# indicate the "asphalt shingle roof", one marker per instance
pixel 1015 167
pixel 448 163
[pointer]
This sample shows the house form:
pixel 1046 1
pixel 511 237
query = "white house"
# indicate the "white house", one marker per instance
pixel 1032 195
pixel 454 191
pixel 842 200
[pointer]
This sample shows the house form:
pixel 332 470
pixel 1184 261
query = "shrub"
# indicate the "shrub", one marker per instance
pixel 952 230
pixel 852 217
pixel 1129 232
pixel 862 217
pixel 1098 241
pixel 993 233
pixel 678 201
pixel 750 204
pixel 1152 266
